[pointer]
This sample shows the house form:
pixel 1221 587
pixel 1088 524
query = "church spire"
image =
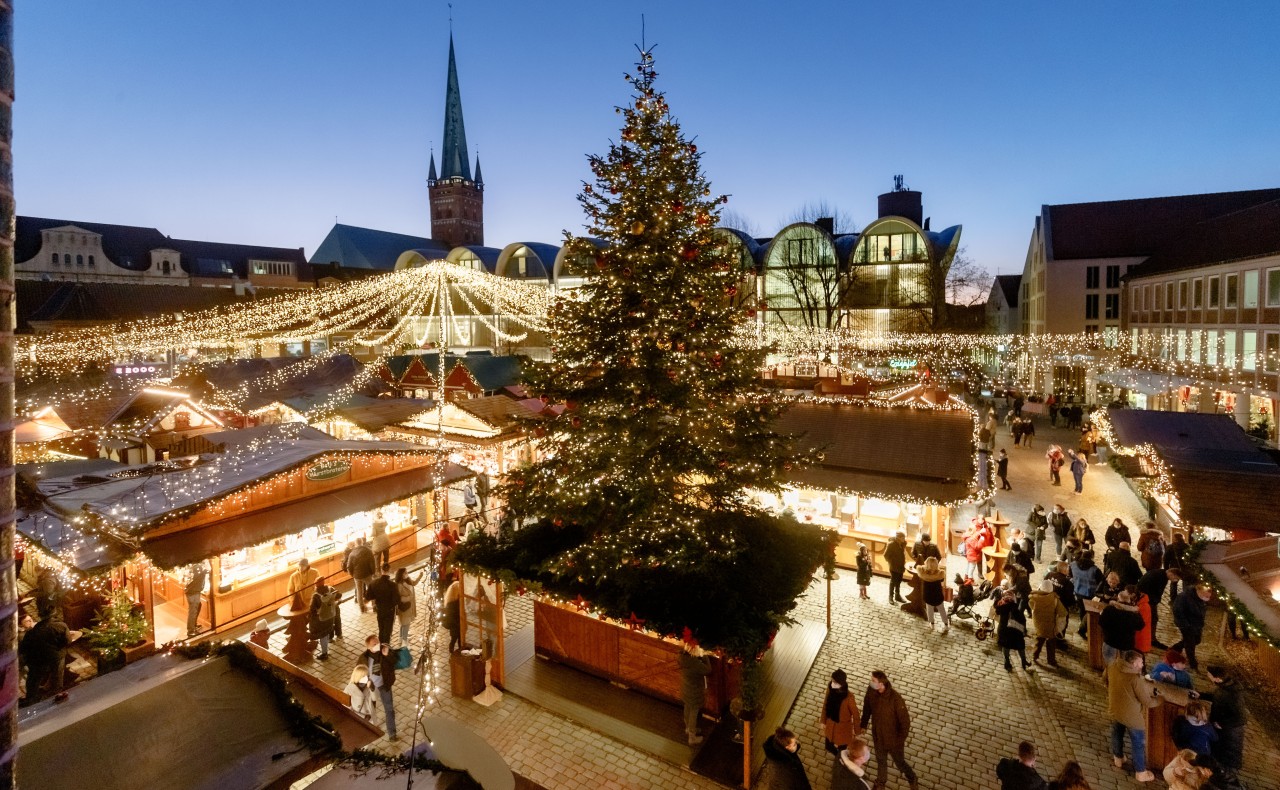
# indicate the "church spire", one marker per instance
pixel 453 153
pixel 479 178
pixel 431 171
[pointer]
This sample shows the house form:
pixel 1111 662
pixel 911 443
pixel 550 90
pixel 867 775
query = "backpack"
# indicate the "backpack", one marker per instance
pixel 328 608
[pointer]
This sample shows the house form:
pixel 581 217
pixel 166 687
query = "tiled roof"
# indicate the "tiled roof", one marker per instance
pixel 1009 285
pixel 1249 233
pixel 105 302
pixel 365 248
pixel 1135 228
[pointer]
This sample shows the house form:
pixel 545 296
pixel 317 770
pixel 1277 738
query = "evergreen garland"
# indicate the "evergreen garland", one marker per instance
pixel 1242 612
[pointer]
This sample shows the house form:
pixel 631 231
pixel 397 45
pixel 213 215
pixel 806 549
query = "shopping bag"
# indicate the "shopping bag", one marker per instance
pixel 404 659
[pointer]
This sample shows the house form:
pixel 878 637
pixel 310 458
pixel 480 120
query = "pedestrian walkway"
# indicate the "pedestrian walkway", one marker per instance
pixel 966 711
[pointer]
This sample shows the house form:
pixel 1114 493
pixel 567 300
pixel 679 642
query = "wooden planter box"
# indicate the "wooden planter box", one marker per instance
pixel 138 651
pixel 635 659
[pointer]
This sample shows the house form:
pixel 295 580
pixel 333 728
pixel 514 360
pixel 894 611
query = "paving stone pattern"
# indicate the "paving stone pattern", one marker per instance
pixel 967 712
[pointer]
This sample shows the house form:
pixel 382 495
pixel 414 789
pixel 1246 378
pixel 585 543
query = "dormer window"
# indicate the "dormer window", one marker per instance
pixel 55 259
pixel 80 261
pixel 91 263
pixel 164 267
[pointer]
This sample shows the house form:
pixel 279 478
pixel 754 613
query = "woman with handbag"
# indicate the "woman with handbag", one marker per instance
pixel 1011 635
pixel 407 609
pixel 840 714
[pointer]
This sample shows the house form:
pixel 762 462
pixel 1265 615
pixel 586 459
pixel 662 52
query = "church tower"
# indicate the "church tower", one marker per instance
pixel 457 200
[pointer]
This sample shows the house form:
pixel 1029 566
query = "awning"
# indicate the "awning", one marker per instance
pixel 1144 381
pixel 200 543
pixel 880 486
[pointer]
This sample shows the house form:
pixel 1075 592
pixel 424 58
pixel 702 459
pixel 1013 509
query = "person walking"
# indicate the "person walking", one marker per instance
pixel 1020 773
pixel 194 590
pixel 932 580
pixel 1047 612
pixel 1175 559
pixel 1227 717
pixel 1038 530
pixel 1189 610
pixel 407 606
pixel 1028 432
pixel 379 543
pixel 1129 695
pixel 1011 633
pixel 381 666
pixel 1117 533
pixel 453 614
pixel 863 561
pixel 1083 533
pixel 854 759
pixel 1055 464
pixel 386 600
pixel 839 715
pixel 324 612
pixel 1018 428
pixel 885 710
pixel 895 554
pixel 362 567
pixel 1078 467
pixel 1059 525
pixel 694 668
pixel 1002 470
pixel 1151 547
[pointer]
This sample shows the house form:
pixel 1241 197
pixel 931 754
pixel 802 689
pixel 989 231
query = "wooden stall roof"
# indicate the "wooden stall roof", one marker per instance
pixel 1223 479
pixel 1250 571
pixel 891 452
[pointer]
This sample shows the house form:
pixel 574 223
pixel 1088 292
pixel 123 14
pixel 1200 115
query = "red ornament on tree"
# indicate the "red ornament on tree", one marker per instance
pixel 677 206
pixel 601 262
pixel 634 623
pixel 580 603
pixel 704 220
pixel 689 253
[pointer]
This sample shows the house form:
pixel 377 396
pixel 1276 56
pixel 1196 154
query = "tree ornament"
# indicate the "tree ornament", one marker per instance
pixel 689 253
pixel 704 220
pixel 693 149
pixel 677 206
pixel 731 291
pixel 626 271
pixel 559 522
pixel 576 422
pixel 664 344
pixel 588 189
pixel 706 191
pixel 580 603
pixel 601 262
pixel 637 228
pixel 635 623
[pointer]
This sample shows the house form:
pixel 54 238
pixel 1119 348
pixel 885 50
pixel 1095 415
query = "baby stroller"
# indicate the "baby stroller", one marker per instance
pixel 968 595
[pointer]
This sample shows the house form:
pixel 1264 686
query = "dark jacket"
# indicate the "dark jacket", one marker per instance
pixel 46 642
pixel 783 770
pixel 361 564
pixel 1037 525
pixel 1189 610
pixel 1002 467
pixel 1119 626
pixel 1060 523
pixel 1014 775
pixel 887 713
pixel 864 571
pixel 384 665
pixel 1199 738
pixel 1227 710
pixel 384 593
pixel 1153 584
pixel 896 555
pixel 693 678
pixel 1012 631
pixel 1115 536
pixel 922 551
pixel 1175 555
pixel 1123 563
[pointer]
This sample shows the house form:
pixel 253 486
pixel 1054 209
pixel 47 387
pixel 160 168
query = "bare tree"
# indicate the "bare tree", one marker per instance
pixel 967 282
pixel 738 221
pixel 815 210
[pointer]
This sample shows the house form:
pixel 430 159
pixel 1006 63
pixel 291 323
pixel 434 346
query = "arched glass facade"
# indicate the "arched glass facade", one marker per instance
pixel 802 282
pixel 890 265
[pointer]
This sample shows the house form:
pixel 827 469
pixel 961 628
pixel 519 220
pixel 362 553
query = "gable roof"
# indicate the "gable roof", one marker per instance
pixel 219 259
pixel 366 248
pixel 1009 285
pixel 127 246
pixel 1136 228
pixel 1251 232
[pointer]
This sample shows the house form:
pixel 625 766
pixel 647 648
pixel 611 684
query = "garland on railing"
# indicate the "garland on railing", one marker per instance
pixel 1242 613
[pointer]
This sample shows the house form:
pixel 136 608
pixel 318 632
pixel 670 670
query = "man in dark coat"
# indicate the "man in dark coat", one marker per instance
pixel 385 595
pixel 1120 623
pixel 1121 560
pixel 44 650
pixel 1153 584
pixel 896 555
pixel 362 567
pixel 1059 525
pixel 1227 716
pixel 884 708
pixel 924 548
pixel 1188 614
pixel 1020 774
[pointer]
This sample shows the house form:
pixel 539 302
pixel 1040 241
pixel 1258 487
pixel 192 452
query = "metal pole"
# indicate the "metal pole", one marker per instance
pixel 8 584
pixel 746 754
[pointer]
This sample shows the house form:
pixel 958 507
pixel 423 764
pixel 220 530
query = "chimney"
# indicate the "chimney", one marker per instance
pixel 826 223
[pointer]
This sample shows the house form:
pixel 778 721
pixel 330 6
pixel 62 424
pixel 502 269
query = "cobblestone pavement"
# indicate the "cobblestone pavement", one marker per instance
pixel 967 712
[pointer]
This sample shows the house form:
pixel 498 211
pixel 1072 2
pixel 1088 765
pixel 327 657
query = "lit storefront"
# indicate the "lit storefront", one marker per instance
pixel 881 468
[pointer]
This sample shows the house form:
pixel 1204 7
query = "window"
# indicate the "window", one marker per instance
pixel 1215 292
pixel 55 259
pixel 1091 328
pixel 1250 289
pixel 1211 347
pixel 1232 288
pixel 1197 294
pixel 1113 276
pixel 91 262
pixel 1249 348
pixel 1135 299
pixel 1271 360
pixel 1091 305
pixel 1182 294
pixel 164 267
pixel 1229 348
pixel 1195 342
pixel 1273 288
pixel 79 260
pixel 1168 296
pixel 1091 277
pixel 1150 301
pixel 1181 345
pixel 1113 306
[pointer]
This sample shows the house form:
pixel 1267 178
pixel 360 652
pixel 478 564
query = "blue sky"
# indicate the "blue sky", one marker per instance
pixel 259 121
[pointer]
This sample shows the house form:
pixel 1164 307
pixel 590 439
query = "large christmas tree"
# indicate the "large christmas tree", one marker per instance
pixel 639 506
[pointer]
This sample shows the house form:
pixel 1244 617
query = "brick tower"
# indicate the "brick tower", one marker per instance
pixel 457 200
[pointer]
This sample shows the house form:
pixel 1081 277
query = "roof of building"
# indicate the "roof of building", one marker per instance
pixel 128 246
pixel 1009 285
pixel 1222 477
pixel 878 450
pixel 118 301
pixel 453 150
pixel 221 260
pixel 365 248
pixel 497 410
pixel 1136 228
pixel 1251 232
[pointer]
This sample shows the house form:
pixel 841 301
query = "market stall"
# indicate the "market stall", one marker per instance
pixel 879 469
